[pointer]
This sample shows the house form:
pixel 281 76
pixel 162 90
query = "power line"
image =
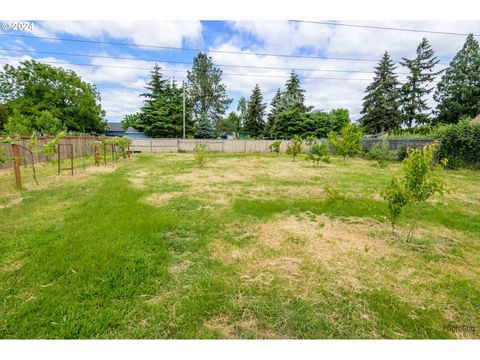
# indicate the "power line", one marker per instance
pixel 185 62
pixel 193 49
pixel 383 28
pixel 184 71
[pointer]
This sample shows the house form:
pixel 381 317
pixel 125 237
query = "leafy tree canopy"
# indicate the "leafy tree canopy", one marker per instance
pixel 205 87
pixel 32 87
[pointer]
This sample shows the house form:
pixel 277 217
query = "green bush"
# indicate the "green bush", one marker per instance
pixel 402 153
pixel 381 153
pixel 460 144
pixel 201 151
pixel 3 156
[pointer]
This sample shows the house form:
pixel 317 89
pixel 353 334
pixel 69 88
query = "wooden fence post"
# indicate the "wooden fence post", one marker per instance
pixel 58 158
pixel 97 156
pixel 16 165
pixel 128 153
pixel 104 154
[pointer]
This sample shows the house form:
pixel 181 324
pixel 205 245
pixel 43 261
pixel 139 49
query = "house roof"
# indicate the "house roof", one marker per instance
pixel 114 126
pixel 131 130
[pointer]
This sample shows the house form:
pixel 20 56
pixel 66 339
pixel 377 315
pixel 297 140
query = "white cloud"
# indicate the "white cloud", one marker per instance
pixel 119 102
pixel 283 35
pixel 159 33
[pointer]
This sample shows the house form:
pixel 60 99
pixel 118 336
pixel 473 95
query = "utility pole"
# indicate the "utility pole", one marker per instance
pixel 183 83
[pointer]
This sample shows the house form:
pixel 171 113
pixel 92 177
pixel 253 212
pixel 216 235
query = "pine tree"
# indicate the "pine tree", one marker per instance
pixel 292 116
pixel 254 123
pixel 204 128
pixel 413 103
pixel 294 95
pixel 162 113
pixel 206 90
pixel 273 112
pixel 458 92
pixel 381 104
pixel 156 86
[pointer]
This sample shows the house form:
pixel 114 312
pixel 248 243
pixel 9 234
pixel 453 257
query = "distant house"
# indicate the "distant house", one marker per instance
pixel 114 129
pixel 133 133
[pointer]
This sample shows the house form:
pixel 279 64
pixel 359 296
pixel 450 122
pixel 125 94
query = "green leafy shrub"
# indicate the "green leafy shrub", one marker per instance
pixel 201 151
pixel 319 152
pixel 460 144
pixel 3 155
pixel 402 153
pixel 275 146
pixel 381 153
pixel 349 143
pixel 294 147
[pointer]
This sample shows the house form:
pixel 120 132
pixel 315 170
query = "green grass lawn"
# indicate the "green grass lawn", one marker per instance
pixel 251 246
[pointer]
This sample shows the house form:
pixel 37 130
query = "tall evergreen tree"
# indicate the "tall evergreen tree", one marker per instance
pixel 413 102
pixel 291 113
pixel 254 122
pixel 162 113
pixel 294 95
pixel 381 104
pixel 458 92
pixel 273 112
pixel 156 86
pixel 205 87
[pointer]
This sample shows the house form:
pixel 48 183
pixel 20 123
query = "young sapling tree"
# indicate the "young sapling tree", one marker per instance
pixel 319 152
pixel 394 194
pixel 294 147
pixel 348 143
pixel 275 146
pixel 201 151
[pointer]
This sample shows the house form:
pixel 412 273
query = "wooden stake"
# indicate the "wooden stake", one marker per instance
pixel 128 151
pixel 97 156
pixel 16 165
pixel 105 154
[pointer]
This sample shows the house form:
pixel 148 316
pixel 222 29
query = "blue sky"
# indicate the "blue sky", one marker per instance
pixel 121 84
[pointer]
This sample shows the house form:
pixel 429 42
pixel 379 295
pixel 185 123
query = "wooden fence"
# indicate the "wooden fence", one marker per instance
pixel 247 146
pixel 81 145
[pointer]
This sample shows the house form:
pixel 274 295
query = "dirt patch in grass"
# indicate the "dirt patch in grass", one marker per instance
pixel 12 267
pixel 11 200
pixel 246 326
pixel 180 267
pixel 139 178
pixel 162 198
